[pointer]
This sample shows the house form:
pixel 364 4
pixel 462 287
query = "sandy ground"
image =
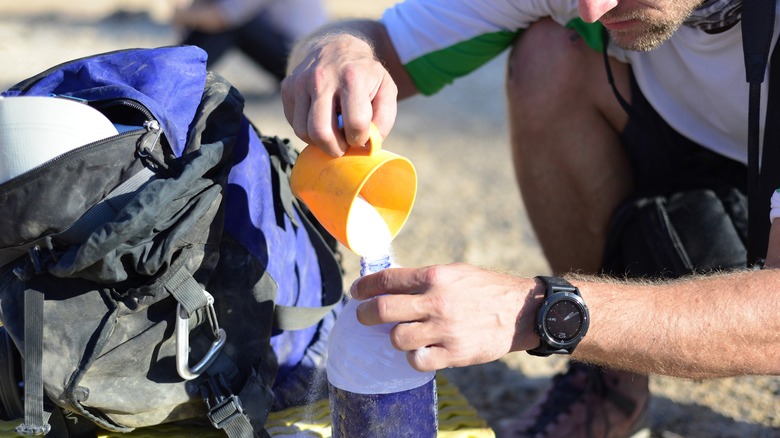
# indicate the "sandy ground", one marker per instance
pixel 468 207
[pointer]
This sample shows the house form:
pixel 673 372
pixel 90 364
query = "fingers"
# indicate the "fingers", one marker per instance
pixel 430 359
pixel 392 308
pixel 391 281
pixel 449 315
pixel 380 109
pixel 384 106
pixel 425 352
pixel 321 123
pixel 312 114
pixel 432 356
pixel 339 77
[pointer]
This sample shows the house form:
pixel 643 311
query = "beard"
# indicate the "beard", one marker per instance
pixel 645 39
pixel 651 31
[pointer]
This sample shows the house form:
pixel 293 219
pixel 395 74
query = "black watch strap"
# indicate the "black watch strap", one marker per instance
pixel 556 284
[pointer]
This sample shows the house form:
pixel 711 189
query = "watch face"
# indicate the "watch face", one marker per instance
pixel 564 320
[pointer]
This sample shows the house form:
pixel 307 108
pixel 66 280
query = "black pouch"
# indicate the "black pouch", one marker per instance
pixel 694 231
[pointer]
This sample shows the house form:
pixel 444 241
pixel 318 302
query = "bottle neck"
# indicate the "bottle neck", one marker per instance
pixel 375 264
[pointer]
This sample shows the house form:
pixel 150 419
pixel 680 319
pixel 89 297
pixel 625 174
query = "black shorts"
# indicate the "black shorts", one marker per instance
pixel 688 210
pixel 664 161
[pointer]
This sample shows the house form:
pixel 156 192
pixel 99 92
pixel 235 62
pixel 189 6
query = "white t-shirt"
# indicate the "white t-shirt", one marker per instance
pixel 695 81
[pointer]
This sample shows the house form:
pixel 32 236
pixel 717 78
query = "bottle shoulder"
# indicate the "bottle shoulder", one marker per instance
pixel 362 359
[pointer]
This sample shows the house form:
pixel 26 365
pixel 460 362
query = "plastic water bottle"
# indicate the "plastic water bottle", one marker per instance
pixel 373 390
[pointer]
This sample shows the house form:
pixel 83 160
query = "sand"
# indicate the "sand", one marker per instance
pixel 468 207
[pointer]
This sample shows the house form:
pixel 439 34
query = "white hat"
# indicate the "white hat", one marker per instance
pixel 34 129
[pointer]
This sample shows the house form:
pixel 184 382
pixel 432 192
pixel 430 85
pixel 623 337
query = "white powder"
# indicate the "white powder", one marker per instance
pixel 367 232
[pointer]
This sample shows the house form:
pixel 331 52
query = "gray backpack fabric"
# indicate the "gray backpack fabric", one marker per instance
pixel 155 276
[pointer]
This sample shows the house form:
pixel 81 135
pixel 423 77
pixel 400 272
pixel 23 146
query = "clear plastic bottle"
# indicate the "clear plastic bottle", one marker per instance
pixel 373 390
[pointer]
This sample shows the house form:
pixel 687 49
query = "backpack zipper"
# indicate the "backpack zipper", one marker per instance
pixel 151 127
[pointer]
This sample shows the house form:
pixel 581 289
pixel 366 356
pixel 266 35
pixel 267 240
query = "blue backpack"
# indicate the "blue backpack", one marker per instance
pixel 164 274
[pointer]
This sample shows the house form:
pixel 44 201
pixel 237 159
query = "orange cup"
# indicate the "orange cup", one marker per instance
pixel 329 186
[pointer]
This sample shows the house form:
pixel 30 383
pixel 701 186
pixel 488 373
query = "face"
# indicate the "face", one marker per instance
pixel 638 24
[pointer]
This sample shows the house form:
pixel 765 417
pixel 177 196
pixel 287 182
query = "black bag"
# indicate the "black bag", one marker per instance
pixel 695 231
pixel 107 253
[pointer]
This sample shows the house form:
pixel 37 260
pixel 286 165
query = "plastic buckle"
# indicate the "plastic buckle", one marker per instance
pixel 222 404
pixel 26 429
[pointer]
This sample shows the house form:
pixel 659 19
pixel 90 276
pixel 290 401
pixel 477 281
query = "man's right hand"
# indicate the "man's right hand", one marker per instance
pixel 337 72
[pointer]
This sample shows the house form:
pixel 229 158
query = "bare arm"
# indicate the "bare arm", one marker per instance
pixel 349 67
pixel 704 326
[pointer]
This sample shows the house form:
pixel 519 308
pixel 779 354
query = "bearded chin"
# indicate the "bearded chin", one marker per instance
pixel 645 39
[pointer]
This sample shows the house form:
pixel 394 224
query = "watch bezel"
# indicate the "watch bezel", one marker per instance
pixel 541 326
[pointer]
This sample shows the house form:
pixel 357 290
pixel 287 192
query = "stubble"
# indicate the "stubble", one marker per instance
pixel 651 30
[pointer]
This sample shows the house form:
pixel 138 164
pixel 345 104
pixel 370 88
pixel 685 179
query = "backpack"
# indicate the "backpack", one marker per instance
pixel 164 274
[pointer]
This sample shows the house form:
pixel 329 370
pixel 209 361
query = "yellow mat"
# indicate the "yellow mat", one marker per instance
pixel 457 419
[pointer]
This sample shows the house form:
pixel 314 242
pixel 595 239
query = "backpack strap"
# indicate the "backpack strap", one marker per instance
pixel 758 17
pixel 282 157
pixel 297 317
pixel 35 416
pixel 225 410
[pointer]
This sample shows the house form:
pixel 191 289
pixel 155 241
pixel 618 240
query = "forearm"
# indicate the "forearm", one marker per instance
pixel 705 326
pixel 366 36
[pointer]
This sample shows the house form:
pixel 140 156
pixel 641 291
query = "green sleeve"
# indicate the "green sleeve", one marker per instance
pixel 433 71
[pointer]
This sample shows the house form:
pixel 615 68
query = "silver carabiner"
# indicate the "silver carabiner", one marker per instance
pixel 183 341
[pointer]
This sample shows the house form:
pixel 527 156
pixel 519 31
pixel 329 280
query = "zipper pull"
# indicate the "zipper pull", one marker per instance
pixel 149 141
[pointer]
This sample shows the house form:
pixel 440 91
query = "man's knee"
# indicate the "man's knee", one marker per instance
pixel 547 66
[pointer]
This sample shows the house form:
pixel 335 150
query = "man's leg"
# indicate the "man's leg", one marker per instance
pixel 268 47
pixel 565 127
pixel 573 172
pixel 214 44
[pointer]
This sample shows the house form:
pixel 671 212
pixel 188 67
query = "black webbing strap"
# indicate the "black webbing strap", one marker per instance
pixel 300 317
pixel 225 410
pixel 35 416
pixel 186 290
pixel 282 158
pixel 758 18
pixel 36 419
pixel 610 77
pixel 770 157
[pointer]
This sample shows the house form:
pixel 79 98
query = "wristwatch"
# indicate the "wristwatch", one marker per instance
pixel 562 319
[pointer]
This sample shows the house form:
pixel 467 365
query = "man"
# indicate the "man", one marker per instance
pixel 264 30
pixel 591 146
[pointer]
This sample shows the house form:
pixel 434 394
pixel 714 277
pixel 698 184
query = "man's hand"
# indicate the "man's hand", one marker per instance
pixel 338 73
pixel 451 315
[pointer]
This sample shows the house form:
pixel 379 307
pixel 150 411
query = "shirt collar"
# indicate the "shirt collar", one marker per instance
pixel 715 14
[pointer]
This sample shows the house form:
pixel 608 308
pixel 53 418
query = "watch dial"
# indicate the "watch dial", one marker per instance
pixel 564 320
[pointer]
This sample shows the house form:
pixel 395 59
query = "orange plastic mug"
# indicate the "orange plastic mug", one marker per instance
pixel 329 186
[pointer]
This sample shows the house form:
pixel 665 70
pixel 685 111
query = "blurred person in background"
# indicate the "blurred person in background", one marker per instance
pixel 264 30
